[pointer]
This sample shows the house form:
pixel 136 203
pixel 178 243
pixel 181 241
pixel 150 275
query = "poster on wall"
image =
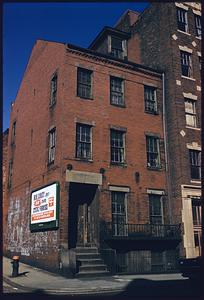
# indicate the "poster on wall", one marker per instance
pixel 45 207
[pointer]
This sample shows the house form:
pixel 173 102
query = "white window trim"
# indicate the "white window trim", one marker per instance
pixel 119 189
pixel 187 33
pixel 190 96
pixel 181 5
pixel 185 49
pixel 193 146
pixel 197 12
pixel 190 78
pixel 194 128
pixel 156 192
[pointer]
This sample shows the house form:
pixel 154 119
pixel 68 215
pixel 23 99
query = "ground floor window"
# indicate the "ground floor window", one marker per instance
pixel 119 213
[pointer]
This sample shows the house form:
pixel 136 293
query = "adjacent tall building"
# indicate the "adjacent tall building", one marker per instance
pixel 104 148
pixel 169 36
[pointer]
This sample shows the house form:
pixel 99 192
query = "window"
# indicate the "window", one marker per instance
pixel 13 133
pixel 150 99
pixel 84 83
pixel 190 111
pixel 196 211
pixel 117 91
pixel 198 25
pixel 186 64
pixel 117 146
pixel 52 144
pixel 53 92
pixel 83 141
pixel 182 19
pixel 117 47
pixel 10 174
pixel 119 213
pixel 155 209
pixel 200 62
pixel 195 164
pixel 153 154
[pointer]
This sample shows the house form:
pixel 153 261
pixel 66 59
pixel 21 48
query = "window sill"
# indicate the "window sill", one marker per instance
pixel 51 106
pixel 190 78
pixel 184 32
pixel 123 165
pixel 154 168
pixel 194 128
pixel 50 164
pixel 85 98
pixel 198 37
pixel 196 181
pixel 156 113
pixel 84 159
pixel 118 105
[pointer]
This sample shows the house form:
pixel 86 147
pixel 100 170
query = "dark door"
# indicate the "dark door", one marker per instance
pixel 84 226
pixel 83 215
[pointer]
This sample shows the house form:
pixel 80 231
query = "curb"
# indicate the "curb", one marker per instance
pixel 93 291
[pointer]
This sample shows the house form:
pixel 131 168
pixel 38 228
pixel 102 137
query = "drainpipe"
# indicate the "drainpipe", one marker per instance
pixel 165 149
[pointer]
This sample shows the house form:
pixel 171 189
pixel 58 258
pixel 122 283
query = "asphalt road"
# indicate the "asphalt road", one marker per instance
pixel 142 288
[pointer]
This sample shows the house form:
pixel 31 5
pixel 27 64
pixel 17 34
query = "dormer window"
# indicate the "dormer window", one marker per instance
pixel 117 47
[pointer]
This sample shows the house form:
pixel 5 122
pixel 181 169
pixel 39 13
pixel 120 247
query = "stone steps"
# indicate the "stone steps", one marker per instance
pixel 90 263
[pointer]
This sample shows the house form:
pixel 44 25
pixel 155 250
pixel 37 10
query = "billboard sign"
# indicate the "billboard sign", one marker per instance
pixel 44 207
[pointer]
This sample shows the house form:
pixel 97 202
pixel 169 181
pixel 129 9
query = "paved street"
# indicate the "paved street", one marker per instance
pixel 34 280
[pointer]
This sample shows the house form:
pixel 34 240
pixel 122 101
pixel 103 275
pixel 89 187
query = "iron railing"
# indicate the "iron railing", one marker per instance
pixel 111 230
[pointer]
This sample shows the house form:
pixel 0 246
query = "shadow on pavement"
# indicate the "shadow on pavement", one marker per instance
pixel 162 288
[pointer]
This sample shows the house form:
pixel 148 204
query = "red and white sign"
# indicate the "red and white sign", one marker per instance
pixel 43 204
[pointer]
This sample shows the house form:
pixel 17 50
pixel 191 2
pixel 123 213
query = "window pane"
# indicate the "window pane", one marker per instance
pixel 83 141
pixel 182 19
pixel 153 156
pixel 195 164
pixel 186 67
pixel 84 83
pixel 118 213
pixel 116 91
pixel 117 146
pixel 155 209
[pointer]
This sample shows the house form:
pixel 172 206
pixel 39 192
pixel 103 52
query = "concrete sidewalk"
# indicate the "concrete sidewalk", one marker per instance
pixel 37 279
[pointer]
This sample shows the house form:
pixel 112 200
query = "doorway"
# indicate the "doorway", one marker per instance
pixel 83 215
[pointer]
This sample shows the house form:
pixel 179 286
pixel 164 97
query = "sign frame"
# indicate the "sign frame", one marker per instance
pixel 50 225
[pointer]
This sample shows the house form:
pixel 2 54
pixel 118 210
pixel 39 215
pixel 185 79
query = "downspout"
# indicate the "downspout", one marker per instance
pixel 169 194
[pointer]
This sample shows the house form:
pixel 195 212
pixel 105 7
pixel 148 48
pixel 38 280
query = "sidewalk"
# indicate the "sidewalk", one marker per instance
pixel 37 279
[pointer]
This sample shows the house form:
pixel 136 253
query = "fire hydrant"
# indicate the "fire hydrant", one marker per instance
pixel 15 263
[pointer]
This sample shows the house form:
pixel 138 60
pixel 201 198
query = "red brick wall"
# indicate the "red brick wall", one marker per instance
pixel 33 120
pixel 4 171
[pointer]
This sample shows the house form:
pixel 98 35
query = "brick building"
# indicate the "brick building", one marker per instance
pixel 92 123
pixel 4 172
pixel 169 39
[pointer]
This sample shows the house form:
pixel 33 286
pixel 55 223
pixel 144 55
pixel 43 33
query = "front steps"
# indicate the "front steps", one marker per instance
pixel 89 263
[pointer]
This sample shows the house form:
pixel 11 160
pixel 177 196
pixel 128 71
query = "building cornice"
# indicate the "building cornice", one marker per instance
pixel 112 61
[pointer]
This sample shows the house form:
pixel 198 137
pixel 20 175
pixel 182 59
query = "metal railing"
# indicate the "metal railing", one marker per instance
pixel 139 231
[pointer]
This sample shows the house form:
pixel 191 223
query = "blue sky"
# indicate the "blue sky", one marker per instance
pixel 75 23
